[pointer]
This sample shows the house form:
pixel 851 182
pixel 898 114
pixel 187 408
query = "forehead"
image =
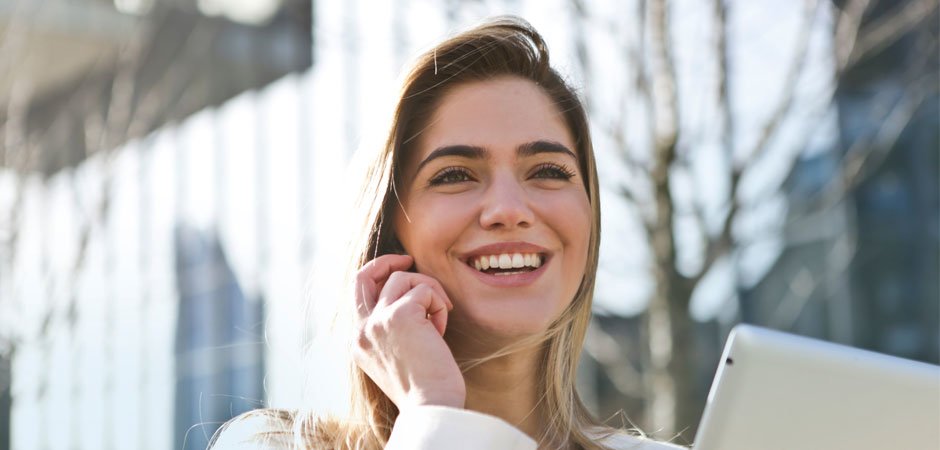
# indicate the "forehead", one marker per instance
pixel 497 114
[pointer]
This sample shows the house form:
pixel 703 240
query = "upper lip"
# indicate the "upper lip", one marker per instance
pixel 505 247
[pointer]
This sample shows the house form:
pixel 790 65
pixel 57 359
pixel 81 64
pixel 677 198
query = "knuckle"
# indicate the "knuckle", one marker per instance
pixel 397 277
pixel 405 311
pixel 368 335
pixel 399 313
pixel 376 330
pixel 427 279
pixel 362 340
pixel 433 284
pixel 423 290
pixel 362 275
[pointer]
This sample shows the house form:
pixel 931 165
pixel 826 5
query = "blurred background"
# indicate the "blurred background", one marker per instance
pixel 171 170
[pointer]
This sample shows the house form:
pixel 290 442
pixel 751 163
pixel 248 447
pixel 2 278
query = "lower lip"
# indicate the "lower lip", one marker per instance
pixel 514 280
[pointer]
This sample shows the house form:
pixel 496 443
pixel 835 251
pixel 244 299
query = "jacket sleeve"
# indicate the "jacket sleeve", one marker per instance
pixel 437 427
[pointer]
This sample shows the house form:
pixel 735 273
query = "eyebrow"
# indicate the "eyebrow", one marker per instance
pixel 536 147
pixel 474 152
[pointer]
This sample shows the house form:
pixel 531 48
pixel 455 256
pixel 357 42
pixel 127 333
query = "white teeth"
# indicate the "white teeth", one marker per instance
pixel 507 261
pixel 500 274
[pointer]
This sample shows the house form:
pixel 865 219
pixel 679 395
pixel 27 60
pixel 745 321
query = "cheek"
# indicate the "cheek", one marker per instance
pixel 430 230
pixel 580 242
pixel 569 213
pixel 581 218
pixel 578 226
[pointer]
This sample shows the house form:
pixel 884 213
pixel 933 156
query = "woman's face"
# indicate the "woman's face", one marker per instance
pixel 495 208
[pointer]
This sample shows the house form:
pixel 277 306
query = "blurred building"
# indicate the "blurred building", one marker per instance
pixel 122 321
pixel 891 100
pixel 218 346
pixel 88 75
pixel 861 264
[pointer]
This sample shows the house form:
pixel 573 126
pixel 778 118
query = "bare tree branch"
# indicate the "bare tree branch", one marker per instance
pixel 863 157
pixel 665 101
pixel 723 95
pixel 666 134
pixel 15 34
pixel 174 83
pixel 607 351
pixel 118 115
pixel 18 154
pixel 805 283
pixel 616 128
pixel 890 28
pixel 717 246
pixel 861 161
pixel 667 324
pixel 723 241
pixel 847 26
pixel 800 57
pixel 799 291
pixel 639 67
pixel 15 143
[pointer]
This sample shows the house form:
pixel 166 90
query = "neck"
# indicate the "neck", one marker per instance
pixel 507 387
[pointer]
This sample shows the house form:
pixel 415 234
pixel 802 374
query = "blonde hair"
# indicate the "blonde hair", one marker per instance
pixel 506 46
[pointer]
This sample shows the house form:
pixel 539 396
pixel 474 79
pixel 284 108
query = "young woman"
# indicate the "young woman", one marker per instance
pixel 476 270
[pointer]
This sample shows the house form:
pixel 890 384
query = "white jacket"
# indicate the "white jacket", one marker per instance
pixel 425 428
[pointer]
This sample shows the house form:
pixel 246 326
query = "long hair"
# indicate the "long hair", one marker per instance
pixel 506 46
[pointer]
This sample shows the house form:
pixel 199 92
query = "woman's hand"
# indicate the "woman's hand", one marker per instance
pixel 401 318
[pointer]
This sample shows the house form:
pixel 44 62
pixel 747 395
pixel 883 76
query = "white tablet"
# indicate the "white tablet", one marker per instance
pixel 777 391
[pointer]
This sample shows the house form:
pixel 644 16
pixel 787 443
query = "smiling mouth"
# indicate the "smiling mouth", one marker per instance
pixel 507 263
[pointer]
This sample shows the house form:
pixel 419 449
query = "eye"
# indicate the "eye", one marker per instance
pixel 450 175
pixel 551 170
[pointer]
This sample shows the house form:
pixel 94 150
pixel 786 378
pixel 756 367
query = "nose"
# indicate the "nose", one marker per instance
pixel 506 205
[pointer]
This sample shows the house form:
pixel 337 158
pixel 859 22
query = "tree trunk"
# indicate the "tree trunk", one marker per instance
pixel 673 402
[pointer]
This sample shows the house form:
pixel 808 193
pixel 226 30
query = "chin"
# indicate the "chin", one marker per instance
pixel 504 323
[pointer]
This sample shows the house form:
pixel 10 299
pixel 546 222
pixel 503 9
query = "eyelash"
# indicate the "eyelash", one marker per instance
pixel 560 171
pixel 446 176
pixel 443 175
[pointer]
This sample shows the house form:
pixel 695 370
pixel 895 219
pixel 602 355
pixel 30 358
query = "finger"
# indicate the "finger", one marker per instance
pixel 431 303
pixel 417 278
pixel 371 279
pixel 437 314
pixel 380 268
pixel 439 288
pixel 401 282
pixel 437 311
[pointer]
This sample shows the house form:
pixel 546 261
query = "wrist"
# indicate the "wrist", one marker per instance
pixel 449 399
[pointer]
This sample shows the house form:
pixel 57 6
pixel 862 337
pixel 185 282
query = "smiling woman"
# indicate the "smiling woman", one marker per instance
pixel 474 279
pixel 497 181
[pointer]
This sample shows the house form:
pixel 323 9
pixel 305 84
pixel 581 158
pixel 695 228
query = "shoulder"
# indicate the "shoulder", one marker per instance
pixel 622 440
pixel 255 430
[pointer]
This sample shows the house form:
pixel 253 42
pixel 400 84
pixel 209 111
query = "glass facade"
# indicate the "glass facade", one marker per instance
pixel 219 341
